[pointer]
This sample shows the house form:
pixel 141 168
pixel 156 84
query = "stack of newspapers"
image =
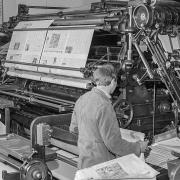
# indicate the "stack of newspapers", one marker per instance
pixel 124 168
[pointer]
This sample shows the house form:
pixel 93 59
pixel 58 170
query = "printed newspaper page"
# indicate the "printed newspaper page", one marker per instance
pixel 26 46
pixel 126 167
pixel 66 48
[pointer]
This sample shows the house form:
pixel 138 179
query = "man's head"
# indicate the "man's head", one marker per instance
pixel 105 76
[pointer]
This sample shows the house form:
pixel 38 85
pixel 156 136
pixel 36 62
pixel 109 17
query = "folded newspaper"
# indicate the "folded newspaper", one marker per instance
pixel 132 136
pixel 123 168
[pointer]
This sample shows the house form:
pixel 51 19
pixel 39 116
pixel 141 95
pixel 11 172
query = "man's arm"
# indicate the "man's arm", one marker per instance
pixel 110 133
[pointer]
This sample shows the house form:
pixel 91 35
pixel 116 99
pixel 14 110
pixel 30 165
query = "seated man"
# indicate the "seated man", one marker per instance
pixel 94 119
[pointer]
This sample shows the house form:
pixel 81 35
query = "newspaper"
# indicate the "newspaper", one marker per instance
pixel 66 48
pixel 126 167
pixel 132 136
pixel 27 46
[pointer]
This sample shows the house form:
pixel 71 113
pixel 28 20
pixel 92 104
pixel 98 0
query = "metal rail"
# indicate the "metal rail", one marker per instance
pixel 32 99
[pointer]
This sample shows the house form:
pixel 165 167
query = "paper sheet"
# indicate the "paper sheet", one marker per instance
pixel 129 166
pixel 27 46
pixel 66 48
pixel 56 48
pixel 33 24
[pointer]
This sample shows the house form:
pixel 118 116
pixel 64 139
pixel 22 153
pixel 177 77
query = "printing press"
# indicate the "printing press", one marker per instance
pixel 47 61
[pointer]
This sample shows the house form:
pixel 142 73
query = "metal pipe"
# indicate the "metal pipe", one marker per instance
pixel 61 28
pixel 44 7
pixel 34 100
pixel 121 3
pixel 42 65
pixel 154 108
pixel 79 21
pixel 129 52
pixel 66 102
pixel 82 13
pixel 58 17
pixel 82 21
pixel 34 16
pixel 112 61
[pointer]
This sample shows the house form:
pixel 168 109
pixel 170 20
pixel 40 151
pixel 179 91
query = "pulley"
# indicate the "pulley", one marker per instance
pixel 142 15
pixel 159 16
pixel 35 170
pixel 124 112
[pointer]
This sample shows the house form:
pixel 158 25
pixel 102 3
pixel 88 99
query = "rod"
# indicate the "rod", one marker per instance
pixel 44 7
pixel 42 65
pixel 129 53
pixel 154 108
pixel 79 21
pixel 34 100
pixel 34 16
pixel 122 3
pixel 88 20
pixel 61 28
pixel 66 102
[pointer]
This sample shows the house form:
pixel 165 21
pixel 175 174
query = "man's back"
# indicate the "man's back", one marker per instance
pixel 91 146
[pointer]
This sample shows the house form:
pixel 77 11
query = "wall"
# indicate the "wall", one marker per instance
pixel 10 7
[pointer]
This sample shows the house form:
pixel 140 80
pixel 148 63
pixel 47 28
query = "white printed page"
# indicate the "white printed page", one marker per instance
pixel 125 167
pixel 66 48
pixel 27 46
pixel 34 24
